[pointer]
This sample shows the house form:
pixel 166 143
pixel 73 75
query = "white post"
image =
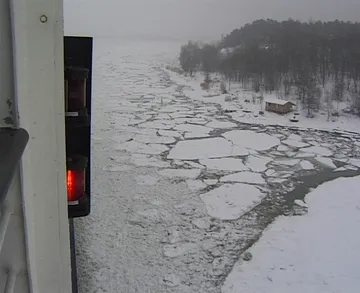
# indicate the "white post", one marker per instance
pixel 39 76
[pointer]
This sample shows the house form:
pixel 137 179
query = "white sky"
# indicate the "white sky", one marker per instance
pixel 192 19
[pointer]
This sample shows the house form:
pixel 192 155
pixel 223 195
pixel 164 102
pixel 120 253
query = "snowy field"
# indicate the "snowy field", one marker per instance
pixel 181 188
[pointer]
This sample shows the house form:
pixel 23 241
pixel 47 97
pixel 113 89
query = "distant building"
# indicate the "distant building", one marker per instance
pixel 279 106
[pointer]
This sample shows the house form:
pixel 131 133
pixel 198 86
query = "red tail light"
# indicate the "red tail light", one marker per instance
pixel 75 184
pixel 75 177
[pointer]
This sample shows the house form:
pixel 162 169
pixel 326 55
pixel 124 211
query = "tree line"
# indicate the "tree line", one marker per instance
pixel 310 59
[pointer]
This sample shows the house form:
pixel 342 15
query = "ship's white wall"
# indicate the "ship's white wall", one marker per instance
pixel 12 251
pixel 6 67
pixel 38 48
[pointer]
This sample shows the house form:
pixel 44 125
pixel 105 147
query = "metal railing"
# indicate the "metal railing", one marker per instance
pixel 12 146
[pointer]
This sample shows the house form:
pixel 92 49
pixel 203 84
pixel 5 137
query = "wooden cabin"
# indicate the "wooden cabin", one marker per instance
pixel 279 106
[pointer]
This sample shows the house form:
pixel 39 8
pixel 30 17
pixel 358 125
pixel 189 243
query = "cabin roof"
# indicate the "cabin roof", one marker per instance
pixel 278 102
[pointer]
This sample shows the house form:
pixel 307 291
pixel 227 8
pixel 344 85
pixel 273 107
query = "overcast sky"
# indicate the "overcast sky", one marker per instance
pixel 193 19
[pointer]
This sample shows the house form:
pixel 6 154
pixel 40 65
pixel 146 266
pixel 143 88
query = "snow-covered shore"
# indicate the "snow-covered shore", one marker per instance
pixel 315 253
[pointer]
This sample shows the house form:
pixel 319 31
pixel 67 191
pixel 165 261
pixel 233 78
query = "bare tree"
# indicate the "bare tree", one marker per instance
pixel 339 87
pixel 328 103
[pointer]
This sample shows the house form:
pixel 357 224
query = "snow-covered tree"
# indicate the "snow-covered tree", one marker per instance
pixel 190 57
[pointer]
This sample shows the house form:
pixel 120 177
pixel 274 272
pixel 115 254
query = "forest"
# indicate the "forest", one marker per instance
pixel 317 62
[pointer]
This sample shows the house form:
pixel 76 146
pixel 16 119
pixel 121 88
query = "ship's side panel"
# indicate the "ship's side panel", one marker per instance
pixel 39 90
pixel 13 261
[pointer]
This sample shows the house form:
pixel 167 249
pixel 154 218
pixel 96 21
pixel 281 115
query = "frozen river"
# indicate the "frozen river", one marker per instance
pixel 180 188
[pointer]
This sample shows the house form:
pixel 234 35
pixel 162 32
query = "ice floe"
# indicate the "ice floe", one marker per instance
pixel 136 147
pixel 304 155
pixel 146 180
pixel 154 139
pixel 211 181
pixel 318 150
pixel 221 124
pixel 351 167
pixel 257 163
pixel 276 180
pixel 354 162
pixel 251 139
pixel 194 165
pixel 122 137
pixel 270 172
pixel 282 148
pixel 224 164
pixel 286 162
pixel 341 169
pixel 300 203
pixel 195 185
pixel 171 280
pixel 180 173
pixel 193 128
pixel 306 165
pixel 176 250
pixel 244 177
pixel 231 201
pixel 118 168
pixel 196 135
pixel 170 133
pixel 295 137
pixel 295 143
pixel 201 223
pixel 157 124
pixel 327 162
pixel 191 120
pixel 148 161
pixel 205 148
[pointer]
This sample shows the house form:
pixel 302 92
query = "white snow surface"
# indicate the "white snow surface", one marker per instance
pixel 316 253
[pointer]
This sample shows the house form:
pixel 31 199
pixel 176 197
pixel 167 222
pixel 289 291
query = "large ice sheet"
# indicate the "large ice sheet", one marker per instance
pixel 231 201
pixel 251 139
pixel 205 148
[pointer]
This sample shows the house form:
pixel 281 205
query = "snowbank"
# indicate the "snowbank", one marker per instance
pixel 314 253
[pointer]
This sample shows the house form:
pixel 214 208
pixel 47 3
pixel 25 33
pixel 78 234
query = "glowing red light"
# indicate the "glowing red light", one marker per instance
pixel 75 184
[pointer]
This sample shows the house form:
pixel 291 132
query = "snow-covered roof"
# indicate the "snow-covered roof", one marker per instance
pixel 278 101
